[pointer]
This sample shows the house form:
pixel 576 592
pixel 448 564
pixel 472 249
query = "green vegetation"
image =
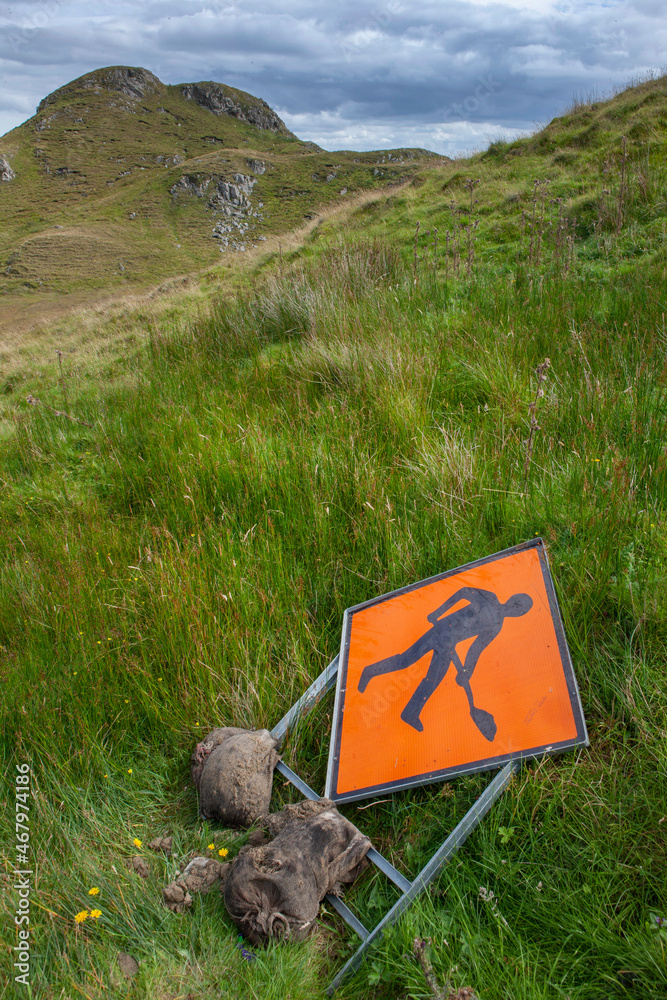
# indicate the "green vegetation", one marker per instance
pixel 113 188
pixel 357 417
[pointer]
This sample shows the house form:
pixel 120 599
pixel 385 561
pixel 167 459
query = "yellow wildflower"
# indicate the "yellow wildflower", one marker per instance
pixel 94 891
pixel 209 847
pixel 223 852
pixel 129 770
pixel 136 842
pixel 95 914
pixel 80 917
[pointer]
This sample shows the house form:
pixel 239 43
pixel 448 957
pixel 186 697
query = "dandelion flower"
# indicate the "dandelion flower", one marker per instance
pixel 80 917
pixel 129 770
pixel 94 891
pixel 223 852
pixel 95 914
pixel 209 847
pixel 136 842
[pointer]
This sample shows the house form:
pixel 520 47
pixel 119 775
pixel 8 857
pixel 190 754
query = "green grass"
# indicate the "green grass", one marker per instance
pixel 337 430
pixel 91 205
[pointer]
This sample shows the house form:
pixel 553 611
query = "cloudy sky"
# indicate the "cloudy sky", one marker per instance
pixel 448 75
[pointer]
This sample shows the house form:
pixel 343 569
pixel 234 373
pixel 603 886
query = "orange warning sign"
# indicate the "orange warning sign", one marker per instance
pixel 459 673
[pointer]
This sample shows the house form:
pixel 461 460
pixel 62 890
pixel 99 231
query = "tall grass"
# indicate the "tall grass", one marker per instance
pixel 184 563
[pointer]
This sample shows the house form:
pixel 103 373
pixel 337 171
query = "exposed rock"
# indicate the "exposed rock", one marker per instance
pixel 231 197
pixel 6 172
pixel 132 81
pixel 191 184
pixel 257 166
pixel 223 100
pixel 45 122
pixel 232 200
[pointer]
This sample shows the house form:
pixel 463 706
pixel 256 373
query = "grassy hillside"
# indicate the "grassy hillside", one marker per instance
pixel 120 180
pixel 177 553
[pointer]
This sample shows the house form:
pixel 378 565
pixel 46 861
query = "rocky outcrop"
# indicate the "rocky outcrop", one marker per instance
pixel 229 196
pixel 6 172
pixel 231 199
pixel 131 81
pixel 222 100
pixel 137 84
pixel 192 184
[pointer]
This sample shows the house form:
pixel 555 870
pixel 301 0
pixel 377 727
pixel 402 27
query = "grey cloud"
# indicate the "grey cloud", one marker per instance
pixel 369 68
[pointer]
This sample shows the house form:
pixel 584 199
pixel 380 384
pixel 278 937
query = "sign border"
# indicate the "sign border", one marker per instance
pixel 489 763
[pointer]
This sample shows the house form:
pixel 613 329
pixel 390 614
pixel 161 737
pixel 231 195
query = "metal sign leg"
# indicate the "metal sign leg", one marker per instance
pixel 411 890
pixel 307 701
pixel 458 835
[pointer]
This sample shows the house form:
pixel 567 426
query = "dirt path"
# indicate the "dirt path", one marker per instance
pixel 22 314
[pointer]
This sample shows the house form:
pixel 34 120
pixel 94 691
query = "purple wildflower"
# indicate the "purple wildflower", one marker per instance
pixel 247 955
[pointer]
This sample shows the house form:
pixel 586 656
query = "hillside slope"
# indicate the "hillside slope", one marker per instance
pixel 120 179
pixel 184 520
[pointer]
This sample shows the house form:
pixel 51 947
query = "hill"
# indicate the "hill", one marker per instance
pixel 193 493
pixel 120 180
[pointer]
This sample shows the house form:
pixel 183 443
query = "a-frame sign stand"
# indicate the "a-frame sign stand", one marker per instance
pixel 410 890
pixel 498 618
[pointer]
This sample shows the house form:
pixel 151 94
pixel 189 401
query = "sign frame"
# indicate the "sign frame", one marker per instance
pixel 409 890
pixel 489 763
